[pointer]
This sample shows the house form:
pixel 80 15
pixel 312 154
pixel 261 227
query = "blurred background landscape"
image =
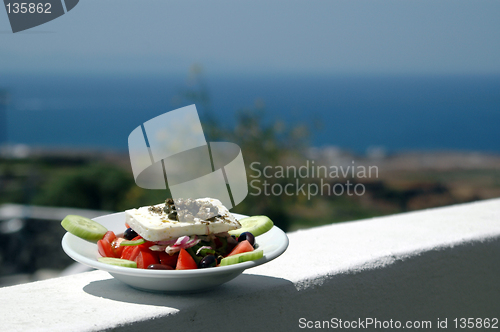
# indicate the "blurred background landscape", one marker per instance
pixel 412 88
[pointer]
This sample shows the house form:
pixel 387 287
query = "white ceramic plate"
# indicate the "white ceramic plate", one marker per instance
pixel 273 243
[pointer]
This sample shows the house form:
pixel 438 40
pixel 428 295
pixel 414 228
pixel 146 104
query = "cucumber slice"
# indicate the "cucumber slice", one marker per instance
pixel 243 257
pixel 117 261
pixel 84 228
pixel 256 225
pixel 132 242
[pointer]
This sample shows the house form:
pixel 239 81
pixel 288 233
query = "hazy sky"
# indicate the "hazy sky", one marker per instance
pixel 159 36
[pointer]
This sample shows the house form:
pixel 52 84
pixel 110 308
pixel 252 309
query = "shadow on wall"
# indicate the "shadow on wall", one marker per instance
pixel 444 283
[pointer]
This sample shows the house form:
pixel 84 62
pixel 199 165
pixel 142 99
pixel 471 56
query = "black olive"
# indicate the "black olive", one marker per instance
pixel 159 267
pixel 129 234
pixel 247 236
pixel 208 261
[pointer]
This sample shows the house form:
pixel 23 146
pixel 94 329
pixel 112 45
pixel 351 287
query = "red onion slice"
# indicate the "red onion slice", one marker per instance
pixel 182 242
pixel 157 248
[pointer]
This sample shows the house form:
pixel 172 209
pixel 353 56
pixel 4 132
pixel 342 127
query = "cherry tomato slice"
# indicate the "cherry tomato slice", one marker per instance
pixel 105 249
pixel 109 236
pixel 130 253
pixel 126 252
pixel 145 258
pixel 117 250
pixel 146 245
pixel 185 261
pixel 166 259
pixel 135 253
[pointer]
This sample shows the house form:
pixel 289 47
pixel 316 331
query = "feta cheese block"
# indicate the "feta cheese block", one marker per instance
pixel 153 223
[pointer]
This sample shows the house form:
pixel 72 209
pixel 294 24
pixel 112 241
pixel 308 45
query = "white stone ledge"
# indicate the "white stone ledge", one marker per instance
pixel 438 263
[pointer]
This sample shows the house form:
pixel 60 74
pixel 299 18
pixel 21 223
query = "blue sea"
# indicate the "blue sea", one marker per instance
pixel 356 113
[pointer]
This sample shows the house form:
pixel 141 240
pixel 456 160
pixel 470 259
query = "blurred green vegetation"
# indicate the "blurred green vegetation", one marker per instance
pixel 96 186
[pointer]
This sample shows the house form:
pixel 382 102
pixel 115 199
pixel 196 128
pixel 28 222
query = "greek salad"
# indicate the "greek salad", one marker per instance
pixel 181 235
